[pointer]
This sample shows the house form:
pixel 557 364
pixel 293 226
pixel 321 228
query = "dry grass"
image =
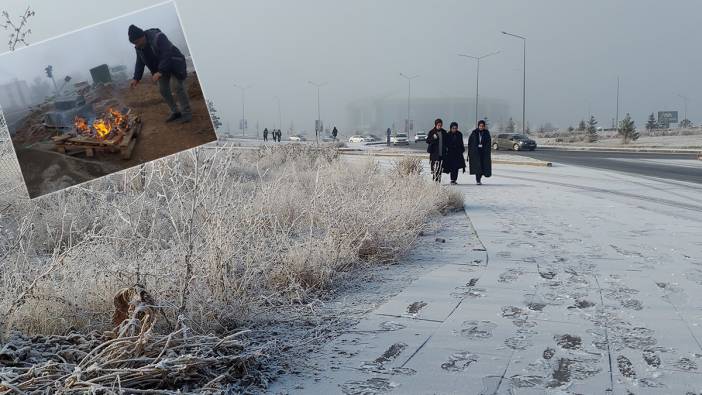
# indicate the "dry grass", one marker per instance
pixel 215 234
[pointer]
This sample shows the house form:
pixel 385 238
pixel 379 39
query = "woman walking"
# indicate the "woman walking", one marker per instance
pixel 479 144
pixel 435 148
pixel 453 153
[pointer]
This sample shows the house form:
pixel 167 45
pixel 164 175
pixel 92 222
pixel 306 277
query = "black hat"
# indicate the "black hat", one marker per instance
pixel 454 124
pixel 135 33
pixel 481 122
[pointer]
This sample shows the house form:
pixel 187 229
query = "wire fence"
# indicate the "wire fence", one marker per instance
pixel 10 174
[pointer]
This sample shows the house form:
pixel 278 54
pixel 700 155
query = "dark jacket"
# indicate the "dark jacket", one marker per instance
pixel 453 152
pixel 479 158
pixel 435 141
pixel 160 56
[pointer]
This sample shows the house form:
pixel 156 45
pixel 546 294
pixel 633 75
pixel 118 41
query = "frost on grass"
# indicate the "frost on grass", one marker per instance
pixel 219 237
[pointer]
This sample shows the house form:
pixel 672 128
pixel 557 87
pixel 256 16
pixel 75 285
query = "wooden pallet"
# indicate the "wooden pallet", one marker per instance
pixel 72 145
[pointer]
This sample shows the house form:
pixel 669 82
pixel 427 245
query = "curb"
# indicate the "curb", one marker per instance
pixel 525 163
pixel 410 155
pixel 623 149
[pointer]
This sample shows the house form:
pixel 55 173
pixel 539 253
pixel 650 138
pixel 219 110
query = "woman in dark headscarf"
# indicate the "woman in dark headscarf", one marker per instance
pixel 479 159
pixel 435 148
pixel 453 153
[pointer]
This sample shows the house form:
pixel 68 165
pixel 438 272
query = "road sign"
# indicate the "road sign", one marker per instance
pixel 667 117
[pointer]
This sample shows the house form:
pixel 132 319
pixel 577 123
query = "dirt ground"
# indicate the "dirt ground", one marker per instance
pixel 46 171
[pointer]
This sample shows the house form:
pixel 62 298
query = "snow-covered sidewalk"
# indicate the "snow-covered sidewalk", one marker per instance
pixel 590 283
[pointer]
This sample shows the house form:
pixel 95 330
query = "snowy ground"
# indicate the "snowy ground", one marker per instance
pixel 575 281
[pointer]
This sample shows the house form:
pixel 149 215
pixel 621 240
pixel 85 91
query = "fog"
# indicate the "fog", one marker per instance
pixel 575 51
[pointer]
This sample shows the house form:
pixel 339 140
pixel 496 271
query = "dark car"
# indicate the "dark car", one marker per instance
pixel 513 141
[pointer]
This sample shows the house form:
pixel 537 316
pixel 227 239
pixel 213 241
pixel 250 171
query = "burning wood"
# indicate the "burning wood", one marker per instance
pixel 110 127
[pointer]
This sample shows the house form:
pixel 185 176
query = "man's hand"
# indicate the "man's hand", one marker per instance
pixel 156 77
pixel 133 83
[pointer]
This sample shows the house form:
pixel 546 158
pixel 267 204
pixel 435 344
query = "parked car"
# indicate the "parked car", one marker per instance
pixel 420 136
pixel 357 139
pixel 399 139
pixel 297 137
pixel 513 141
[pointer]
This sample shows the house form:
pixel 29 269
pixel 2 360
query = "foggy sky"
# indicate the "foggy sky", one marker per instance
pixel 575 51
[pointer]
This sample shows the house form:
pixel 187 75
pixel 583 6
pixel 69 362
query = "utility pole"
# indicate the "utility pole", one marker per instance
pixel 685 99
pixel 243 124
pixel 523 83
pixel 280 118
pixel 617 118
pixel 409 93
pixel 318 124
pixel 477 80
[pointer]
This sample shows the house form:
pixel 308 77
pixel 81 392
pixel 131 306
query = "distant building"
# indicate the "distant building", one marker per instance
pixel 373 115
pixel 15 94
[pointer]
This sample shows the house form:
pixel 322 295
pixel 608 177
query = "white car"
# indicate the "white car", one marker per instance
pixel 420 136
pixel 369 138
pixel 357 139
pixel 297 137
pixel 399 139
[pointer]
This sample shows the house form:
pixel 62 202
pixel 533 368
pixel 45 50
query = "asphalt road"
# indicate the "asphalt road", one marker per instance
pixel 678 167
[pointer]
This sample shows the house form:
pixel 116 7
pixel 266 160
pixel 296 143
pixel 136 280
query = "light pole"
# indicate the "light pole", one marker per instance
pixel 616 123
pixel 524 81
pixel 685 99
pixel 280 118
pixel 477 79
pixel 243 107
pixel 318 124
pixel 409 93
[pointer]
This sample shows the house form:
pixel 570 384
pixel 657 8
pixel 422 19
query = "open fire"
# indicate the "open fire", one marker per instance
pixel 110 126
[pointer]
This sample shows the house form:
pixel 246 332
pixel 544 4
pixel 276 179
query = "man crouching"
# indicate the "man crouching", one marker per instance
pixel 155 51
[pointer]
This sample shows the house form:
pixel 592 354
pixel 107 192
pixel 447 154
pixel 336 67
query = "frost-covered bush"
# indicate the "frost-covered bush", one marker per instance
pixel 214 233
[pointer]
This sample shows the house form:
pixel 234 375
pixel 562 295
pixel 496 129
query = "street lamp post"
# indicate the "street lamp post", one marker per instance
pixel 243 107
pixel 409 93
pixel 685 99
pixel 523 82
pixel 477 79
pixel 318 124
pixel 280 118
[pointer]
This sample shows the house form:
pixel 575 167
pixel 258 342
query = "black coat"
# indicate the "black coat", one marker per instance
pixel 479 159
pixel 453 152
pixel 435 141
pixel 160 56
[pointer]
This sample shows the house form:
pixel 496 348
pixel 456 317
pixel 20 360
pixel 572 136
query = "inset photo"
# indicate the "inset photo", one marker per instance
pixel 103 99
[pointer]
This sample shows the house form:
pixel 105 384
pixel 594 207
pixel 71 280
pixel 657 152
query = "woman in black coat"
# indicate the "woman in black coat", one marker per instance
pixel 479 144
pixel 435 148
pixel 453 153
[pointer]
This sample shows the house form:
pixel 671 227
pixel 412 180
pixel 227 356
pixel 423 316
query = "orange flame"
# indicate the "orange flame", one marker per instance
pixel 102 127
pixel 81 125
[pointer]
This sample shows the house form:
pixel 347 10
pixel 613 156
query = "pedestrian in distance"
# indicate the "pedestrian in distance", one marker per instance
pixel 435 147
pixel 265 134
pixel 167 65
pixel 280 135
pixel 388 135
pixel 479 154
pixel 454 148
pixel 335 132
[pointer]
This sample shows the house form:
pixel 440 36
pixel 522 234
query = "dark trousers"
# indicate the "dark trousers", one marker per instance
pixel 478 177
pixel 436 170
pixel 454 174
pixel 164 84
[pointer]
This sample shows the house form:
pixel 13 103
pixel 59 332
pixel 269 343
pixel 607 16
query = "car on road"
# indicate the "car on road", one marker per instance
pixel 369 138
pixel 399 139
pixel 357 139
pixel 420 136
pixel 297 137
pixel 513 141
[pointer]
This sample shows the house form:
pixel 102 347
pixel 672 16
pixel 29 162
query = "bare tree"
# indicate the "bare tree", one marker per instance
pixel 18 31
